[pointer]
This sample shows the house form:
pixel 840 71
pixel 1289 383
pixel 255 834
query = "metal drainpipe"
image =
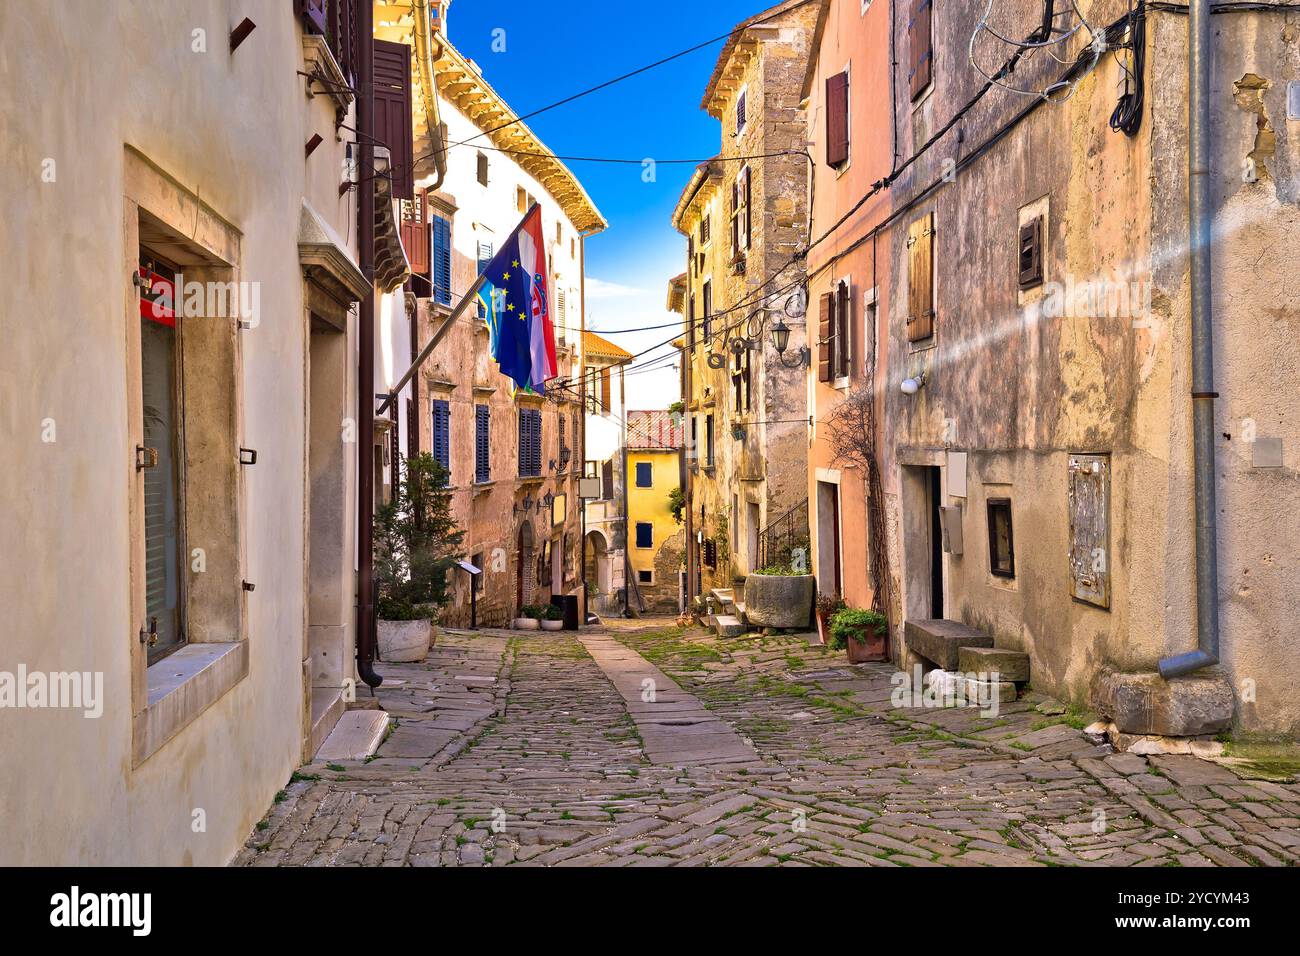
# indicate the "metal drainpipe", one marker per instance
pixel 1203 394
pixel 366 351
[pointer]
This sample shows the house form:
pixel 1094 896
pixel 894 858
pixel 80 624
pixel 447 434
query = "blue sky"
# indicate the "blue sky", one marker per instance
pixel 553 50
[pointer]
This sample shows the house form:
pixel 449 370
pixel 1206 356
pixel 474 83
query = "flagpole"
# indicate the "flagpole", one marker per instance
pixel 466 300
pixel 469 297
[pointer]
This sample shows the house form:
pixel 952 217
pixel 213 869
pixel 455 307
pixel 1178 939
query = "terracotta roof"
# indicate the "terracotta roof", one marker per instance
pixel 593 344
pixel 654 428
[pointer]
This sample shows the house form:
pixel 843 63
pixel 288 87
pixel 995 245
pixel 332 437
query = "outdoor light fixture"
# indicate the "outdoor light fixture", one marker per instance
pixel 913 385
pixel 781 339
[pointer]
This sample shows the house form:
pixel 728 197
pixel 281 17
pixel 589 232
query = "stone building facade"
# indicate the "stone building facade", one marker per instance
pixel 654 447
pixel 604 523
pixel 1043 306
pixel 744 219
pixel 514 458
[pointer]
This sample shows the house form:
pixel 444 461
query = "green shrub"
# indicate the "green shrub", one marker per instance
pixel 855 622
pixel 779 570
pixel 553 612
pixel 416 543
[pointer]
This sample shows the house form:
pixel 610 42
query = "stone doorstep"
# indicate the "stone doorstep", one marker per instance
pixel 941 641
pixel 1007 664
pixel 728 625
pixel 356 736
pixel 1145 703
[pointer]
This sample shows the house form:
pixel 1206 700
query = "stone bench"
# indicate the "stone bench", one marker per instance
pixel 940 641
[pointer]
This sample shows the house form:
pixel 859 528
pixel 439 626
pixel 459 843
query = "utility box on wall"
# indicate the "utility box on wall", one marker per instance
pixel 1090 529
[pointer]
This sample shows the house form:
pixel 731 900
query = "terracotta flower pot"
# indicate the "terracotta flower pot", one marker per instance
pixel 823 629
pixel 866 646
pixel 405 642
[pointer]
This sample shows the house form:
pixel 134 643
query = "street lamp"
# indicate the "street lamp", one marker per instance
pixel 781 339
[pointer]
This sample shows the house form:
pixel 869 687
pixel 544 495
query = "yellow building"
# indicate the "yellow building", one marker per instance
pixel 655 539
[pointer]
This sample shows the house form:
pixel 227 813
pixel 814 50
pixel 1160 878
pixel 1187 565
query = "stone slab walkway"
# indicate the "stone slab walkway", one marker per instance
pixel 675 728
pixel 522 748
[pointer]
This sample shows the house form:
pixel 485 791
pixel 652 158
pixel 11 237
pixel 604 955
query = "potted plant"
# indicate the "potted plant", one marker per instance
pixel 416 544
pixel 552 618
pixel 861 632
pixel 529 618
pixel 827 606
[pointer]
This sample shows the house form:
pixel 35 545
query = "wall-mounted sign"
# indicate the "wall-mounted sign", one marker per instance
pixel 559 509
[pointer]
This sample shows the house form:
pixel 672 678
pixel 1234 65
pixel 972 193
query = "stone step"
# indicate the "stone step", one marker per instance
pixel 356 736
pixel 724 596
pixel 939 640
pixel 1007 664
pixel 728 625
pixel 740 612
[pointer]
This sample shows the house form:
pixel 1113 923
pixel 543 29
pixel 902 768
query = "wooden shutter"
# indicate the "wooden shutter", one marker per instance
pixel 415 232
pixel 920 290
pixel 604 388
pixel 441 260
pixel 708 310
pixel 392 65
pixel 482 169
pixel 314 15
pixel 735 215
pixel 920 47
pixel 690 323
pixel 825 345
pixel 749 217
pixel 343 36
pixel 482 438
pixel 441 433
pixel 843 340
pixel 607 479
pixel 740 113
pixel 837 119
pixel 1030 253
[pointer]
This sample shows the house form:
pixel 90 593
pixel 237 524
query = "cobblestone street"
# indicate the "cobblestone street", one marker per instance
pixel 540 749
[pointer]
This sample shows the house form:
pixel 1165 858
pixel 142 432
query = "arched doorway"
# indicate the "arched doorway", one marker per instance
pixel 525 571
pixel 598 572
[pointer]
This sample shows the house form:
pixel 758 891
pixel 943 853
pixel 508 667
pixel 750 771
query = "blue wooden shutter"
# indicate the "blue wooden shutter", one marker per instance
pixel 482 458
pixel 442 260
pixel 644 534
pixel 442 434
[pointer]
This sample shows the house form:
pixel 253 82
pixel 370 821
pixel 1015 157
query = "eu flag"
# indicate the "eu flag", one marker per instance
pixel 518 294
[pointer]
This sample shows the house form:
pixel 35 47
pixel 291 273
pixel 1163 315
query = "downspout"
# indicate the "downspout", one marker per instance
pixel 1203 394
pixel 366 351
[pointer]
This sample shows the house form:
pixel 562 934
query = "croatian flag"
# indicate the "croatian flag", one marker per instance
pixel 515 285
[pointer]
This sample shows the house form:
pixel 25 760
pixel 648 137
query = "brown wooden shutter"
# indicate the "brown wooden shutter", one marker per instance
pixel 920 291
pixel 825 351
pixel 1030 253
pixel 837 119
pixel 920 47
pixel 607 479
pixel 604 388
pixel 314 14
pixel 392 65
pixel 415 232
pixel 749 216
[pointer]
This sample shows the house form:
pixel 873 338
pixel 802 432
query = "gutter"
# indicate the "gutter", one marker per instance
pixel 1203 394
pixel 366 352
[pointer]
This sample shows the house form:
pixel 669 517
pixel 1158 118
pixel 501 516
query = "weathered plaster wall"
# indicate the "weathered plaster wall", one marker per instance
pixel 230 129
pixel 1021 388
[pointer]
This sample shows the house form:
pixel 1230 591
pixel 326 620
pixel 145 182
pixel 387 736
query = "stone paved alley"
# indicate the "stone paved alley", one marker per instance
pixel 537 748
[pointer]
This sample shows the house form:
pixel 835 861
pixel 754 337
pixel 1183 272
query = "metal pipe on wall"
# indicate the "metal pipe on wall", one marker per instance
pixel 1200 219
pixel 366 350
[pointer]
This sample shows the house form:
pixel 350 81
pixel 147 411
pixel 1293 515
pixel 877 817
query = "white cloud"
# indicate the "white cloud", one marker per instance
pixel 600 289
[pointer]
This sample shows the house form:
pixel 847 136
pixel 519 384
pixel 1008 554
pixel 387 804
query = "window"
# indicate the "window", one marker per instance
pixel 1030 254
pixel 920 279
pixel 710 556
pixel 415 232
pixel 837 119
pixel 740 381
pixel 645 534
pixel 482 444
pixel 707 322
pixel 482 169
pixel 740 215
pixel 740 111
pixel 835 346
pixel 690 322
pixel 607 480
pixel 530 443
pixel 644 474
pixel 484 257
pixel 441 260
pixel 441 435
pixel 164 507
pixel 645 576
pixel 708 441
pixel 695 437
pixel 704 229
pixel 919 51
pixel 559 233
pixel 523 199
pixel 1002 555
